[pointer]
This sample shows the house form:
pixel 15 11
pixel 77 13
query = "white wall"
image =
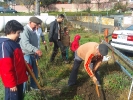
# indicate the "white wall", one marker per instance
pixel 1 0
pixel 25 19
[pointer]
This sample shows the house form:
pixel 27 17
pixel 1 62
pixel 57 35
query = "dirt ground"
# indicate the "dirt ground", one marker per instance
pixel 87 91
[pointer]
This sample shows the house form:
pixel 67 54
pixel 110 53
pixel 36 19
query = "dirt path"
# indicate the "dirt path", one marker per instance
pixel 89 92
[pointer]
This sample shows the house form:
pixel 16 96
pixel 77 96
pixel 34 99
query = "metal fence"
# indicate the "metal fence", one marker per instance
pixel 127 61
pixel 95 22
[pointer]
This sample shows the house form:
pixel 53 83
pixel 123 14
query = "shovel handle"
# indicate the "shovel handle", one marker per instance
pixel 33 76
pixel 97 90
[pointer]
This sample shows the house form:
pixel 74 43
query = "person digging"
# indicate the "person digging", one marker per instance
pixel 92 54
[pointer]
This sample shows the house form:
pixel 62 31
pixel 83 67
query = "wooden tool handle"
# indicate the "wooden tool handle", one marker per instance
pixel 33 76
pixel 97 90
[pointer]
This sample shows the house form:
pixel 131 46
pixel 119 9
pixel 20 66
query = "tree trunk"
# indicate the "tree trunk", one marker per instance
pixel 37 7
pixel 69 1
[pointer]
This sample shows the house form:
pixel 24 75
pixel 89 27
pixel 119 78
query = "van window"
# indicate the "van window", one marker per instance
pixel 1 8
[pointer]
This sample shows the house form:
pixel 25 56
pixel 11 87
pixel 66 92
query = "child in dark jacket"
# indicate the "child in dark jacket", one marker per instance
pixel 12 63
pixel 65 39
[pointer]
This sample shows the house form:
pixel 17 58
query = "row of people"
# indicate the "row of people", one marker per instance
pixel 91 53
pixel 14 53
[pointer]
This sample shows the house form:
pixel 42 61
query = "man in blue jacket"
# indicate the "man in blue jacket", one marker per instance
pixel 55 37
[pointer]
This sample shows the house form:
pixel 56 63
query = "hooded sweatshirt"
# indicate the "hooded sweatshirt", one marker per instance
pixel 12 64
pixel 75 44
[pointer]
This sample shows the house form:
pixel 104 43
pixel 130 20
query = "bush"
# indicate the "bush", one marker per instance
pixel 3 4
pixel 120 6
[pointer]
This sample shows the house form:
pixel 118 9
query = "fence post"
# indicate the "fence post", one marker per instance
pixel 88 22
pixel 130 90
pixel 93 23
pixel 105 35
pixel 100 24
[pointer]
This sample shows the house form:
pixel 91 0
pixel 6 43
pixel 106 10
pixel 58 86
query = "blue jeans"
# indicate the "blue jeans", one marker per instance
pixel 73 76
pixel 17 95
pixel 31 59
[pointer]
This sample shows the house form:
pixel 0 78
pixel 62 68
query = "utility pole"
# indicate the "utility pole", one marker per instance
pixel 37 7
pixel 69 1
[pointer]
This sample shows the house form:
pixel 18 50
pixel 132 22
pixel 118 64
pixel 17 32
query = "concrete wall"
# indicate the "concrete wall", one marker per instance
pixel 46 19
pixel 126 21
pixel 95 19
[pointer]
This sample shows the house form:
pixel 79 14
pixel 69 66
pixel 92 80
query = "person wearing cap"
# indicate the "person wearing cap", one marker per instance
pixel 29 46
pixel 92 53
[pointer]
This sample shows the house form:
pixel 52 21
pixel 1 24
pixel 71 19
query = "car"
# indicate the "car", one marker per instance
pixel 123 39
pixel 7 10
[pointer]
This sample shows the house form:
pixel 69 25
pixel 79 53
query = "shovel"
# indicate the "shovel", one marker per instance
pixel 97 90
pixel 39 73
pixel 34 78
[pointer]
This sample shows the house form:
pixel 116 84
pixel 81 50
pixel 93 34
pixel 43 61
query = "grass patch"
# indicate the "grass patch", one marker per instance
pixel 55 13
pixel 86 13
pixel 17 14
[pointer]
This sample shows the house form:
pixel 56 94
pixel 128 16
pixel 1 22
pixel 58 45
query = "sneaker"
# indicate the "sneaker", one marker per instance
pixel 99 85
pixel 70 85
pixel 36 89
pixel 66 62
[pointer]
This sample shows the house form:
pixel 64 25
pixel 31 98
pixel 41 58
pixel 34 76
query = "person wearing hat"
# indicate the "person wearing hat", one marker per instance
pixel 29 46
pixel 92 53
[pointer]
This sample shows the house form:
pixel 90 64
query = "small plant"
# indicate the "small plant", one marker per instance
pixel 116 82
pixel 78 97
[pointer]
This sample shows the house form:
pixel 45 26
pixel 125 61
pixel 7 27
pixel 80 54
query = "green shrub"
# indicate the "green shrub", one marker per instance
pixel 121 6
pixel 3 4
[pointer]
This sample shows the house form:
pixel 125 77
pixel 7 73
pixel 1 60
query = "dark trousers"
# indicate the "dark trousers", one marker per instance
pixel 57 45
pixel 17 95
pixel 73 76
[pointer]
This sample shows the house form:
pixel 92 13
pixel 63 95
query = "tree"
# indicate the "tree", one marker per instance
pixel 46 3
pixel 37 7
pixel 77 2
pixel 26 3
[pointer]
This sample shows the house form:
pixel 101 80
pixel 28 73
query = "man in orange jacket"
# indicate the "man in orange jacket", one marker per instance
pixel 91 53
